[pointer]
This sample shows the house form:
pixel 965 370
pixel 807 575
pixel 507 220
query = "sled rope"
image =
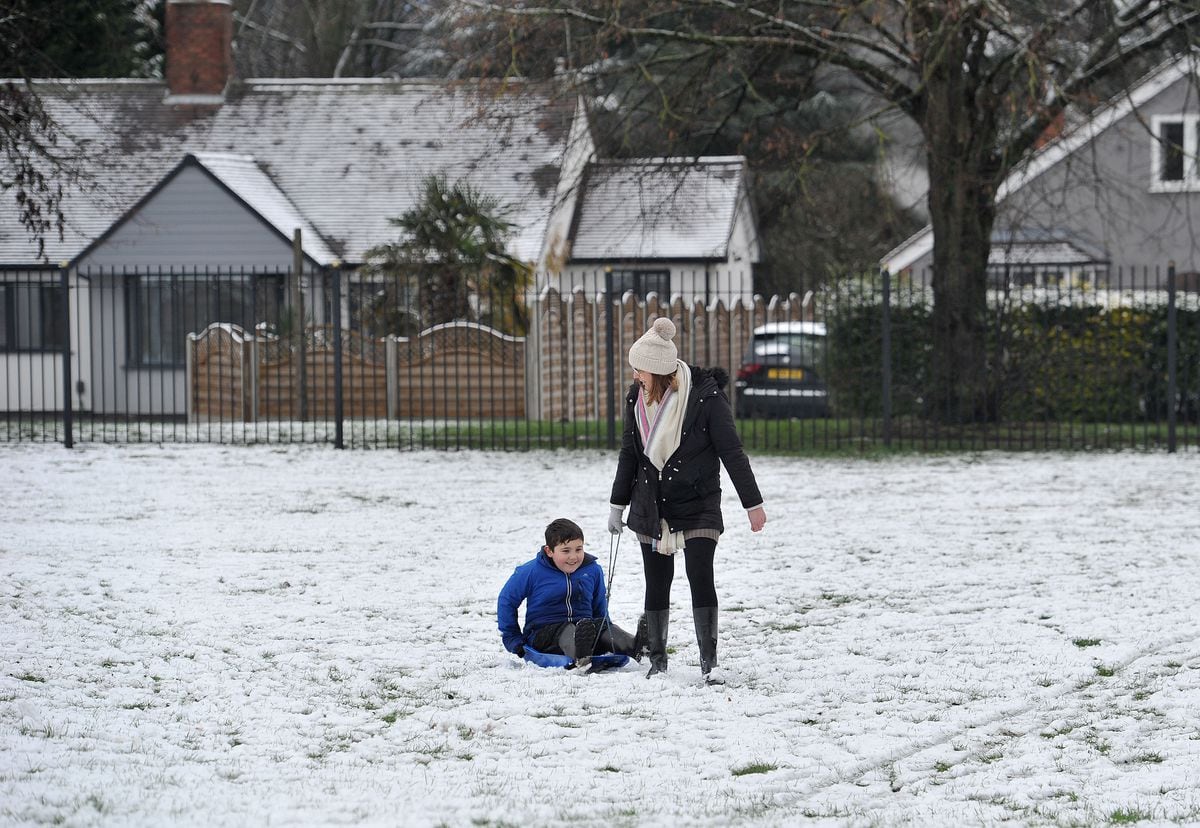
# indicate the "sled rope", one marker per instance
pixel 614 546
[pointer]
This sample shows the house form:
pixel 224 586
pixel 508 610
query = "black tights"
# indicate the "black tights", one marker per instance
pixel 660 570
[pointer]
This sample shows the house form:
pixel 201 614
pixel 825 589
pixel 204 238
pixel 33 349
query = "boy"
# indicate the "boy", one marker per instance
pixel 566 609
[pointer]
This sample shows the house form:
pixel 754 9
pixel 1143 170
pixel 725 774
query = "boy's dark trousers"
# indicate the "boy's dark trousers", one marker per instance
pixel 560 638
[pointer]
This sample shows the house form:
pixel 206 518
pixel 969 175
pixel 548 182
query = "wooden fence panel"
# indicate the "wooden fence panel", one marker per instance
pixel 460 370
pixel 216 373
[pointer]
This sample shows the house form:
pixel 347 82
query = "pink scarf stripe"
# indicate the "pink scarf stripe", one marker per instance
pixel 644 425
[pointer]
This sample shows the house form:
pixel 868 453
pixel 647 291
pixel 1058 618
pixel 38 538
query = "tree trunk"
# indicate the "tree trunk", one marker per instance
pixel 961 134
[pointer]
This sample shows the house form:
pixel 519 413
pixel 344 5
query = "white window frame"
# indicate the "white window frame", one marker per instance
pixel 1191 149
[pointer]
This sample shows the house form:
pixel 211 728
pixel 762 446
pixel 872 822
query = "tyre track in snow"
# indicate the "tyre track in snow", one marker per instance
pixel 984 733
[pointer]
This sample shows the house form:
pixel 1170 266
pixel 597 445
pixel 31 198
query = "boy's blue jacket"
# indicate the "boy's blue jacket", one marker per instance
pixel 551 595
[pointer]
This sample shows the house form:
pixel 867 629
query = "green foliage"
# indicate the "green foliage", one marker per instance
pixel 855 371
pixel 79 39
pixel 453 251
pixel 1085 363
pixel 1047 363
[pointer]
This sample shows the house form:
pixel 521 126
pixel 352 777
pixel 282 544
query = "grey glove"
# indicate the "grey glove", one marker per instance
pixel 614 519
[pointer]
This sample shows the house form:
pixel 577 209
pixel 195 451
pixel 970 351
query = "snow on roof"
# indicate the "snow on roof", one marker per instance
pixel 344 155
pixel 1038 246
pixel 1155 83
pixel 661 208
pixel 242 176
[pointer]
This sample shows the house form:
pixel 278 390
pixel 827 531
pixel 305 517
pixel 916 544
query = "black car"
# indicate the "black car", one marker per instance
pixel 779 376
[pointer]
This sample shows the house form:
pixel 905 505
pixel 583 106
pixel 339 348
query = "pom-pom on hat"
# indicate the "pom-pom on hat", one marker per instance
pixel 655 352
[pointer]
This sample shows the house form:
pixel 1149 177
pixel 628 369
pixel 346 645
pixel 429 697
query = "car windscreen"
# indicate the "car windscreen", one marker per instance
pixel 806 349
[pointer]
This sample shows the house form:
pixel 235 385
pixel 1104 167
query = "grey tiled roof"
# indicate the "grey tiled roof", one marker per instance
pixel 344 155
pixel 658 209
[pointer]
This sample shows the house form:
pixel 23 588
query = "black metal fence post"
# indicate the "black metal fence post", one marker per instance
pixel 1172 348
pixel 610 381
pixel 335 273
pixel 64 275
pixel 886 385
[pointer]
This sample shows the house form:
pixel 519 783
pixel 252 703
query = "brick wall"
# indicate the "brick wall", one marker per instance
pixel 199 59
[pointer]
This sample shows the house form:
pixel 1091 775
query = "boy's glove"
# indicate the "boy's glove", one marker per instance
pixel 519 652
pixel 614 519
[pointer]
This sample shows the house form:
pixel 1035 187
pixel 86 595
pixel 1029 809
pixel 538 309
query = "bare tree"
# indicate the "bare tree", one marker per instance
pixel 59 39
pixel 981 79
pixel 339 38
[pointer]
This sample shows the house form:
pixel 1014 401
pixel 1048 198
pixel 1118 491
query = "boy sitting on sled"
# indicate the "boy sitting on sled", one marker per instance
pixel 566 607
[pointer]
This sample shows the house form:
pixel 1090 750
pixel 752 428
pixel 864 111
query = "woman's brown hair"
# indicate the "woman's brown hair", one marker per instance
pixel 658 385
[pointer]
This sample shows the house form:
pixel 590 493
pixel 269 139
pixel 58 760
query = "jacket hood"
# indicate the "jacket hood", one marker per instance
pixel 718 375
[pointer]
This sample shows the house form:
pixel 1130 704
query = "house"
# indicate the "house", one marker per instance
pixel 1108 203
pixel 670 226
pixel 203 192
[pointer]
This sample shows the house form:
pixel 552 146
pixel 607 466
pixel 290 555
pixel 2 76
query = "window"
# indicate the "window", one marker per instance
pixel 31 317
pixel 163 310
pixel 642 282
pixel 1174 151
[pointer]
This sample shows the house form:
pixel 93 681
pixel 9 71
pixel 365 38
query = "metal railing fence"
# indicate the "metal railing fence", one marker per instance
pixel 1072 359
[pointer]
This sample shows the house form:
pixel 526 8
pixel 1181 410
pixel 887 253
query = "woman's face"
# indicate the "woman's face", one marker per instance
pixel 643 378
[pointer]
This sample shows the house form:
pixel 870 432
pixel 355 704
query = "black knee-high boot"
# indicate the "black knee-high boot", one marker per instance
pixel 613 639
pixel 656 640
pixel 706 637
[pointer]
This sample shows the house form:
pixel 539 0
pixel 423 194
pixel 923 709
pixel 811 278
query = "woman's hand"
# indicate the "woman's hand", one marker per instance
pixel 614 519
pixel 758 517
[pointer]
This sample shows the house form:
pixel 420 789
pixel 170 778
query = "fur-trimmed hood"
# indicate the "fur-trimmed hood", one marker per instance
pixel 717 374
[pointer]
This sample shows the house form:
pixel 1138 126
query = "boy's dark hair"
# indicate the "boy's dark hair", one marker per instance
pixel 561 531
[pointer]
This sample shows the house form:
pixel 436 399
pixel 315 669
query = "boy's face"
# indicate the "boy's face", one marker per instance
pixel 568 555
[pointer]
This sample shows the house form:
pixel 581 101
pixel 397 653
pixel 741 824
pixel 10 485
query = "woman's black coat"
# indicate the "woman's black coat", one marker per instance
pixel 688 496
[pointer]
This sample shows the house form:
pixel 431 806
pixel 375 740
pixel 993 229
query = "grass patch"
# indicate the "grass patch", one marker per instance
pixel 792 627
pixel 1127 816
pixel 832 437
pixel 1149 758
pixel 1105 671
pixel 1081 643
pixel 755 767
pixel 32 677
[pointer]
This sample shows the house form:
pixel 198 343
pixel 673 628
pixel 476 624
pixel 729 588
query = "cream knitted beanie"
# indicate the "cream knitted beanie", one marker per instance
pixel 655 352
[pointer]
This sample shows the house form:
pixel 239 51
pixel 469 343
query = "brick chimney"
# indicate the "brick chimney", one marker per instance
pixel 199 51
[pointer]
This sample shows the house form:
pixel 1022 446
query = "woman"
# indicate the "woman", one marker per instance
pixel 678 423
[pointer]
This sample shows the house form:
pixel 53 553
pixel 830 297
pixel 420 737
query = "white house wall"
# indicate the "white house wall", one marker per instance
pixel 32 382
pixel 578 152
pixel 723 281
pixel 744 248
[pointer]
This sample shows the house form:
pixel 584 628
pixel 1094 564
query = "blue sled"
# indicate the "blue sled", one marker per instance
pixel 604 661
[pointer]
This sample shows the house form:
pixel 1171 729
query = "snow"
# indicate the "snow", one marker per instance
pixel 217 635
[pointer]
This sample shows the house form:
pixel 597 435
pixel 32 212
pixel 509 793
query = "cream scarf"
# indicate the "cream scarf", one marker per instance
pixel 660 425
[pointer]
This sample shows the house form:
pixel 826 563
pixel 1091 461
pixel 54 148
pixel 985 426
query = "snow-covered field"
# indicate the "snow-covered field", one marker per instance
pixel 206 635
